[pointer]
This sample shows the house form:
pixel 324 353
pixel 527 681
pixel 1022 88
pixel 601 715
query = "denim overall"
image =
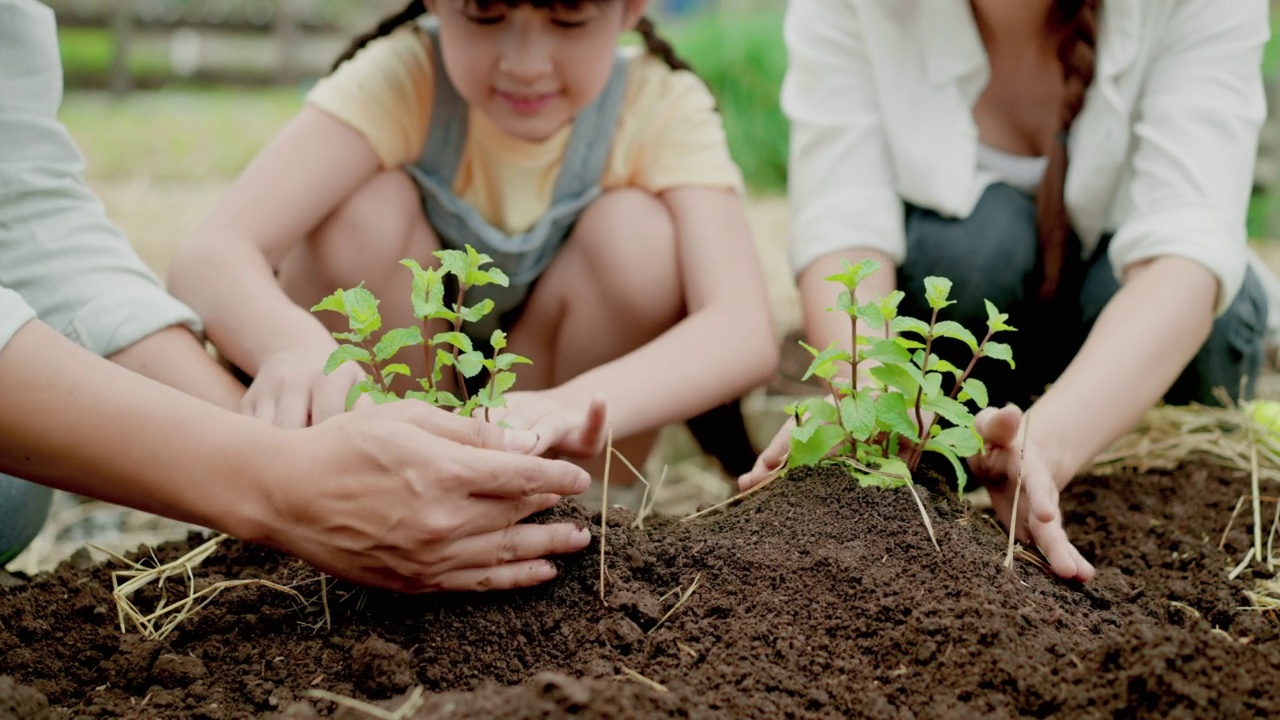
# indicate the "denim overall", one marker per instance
pixel 526 256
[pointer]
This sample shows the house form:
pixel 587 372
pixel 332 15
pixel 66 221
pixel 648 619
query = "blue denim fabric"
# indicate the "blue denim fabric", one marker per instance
pixel 24 507
pixel 992 253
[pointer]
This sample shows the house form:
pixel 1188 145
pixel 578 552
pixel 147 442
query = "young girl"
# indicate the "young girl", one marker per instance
pixel 599 180
pixel 934 136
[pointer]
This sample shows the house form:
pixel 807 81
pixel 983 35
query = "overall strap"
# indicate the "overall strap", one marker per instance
pixel 591 139
pixel 442 151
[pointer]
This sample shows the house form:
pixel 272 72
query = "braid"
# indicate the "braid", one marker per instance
pixel 1077 20
pixel 659 47
pixel 411 11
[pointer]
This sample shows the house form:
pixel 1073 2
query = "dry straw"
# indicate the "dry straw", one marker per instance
pixel 157 624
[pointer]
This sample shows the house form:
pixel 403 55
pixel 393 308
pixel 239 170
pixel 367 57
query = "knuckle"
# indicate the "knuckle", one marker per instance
pixel 509 549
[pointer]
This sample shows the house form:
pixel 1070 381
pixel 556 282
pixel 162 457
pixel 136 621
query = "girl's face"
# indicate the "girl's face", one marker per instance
pixel 530 71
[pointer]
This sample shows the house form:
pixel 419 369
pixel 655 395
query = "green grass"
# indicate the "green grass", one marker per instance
pixel 742 59
pixel 189 135
pixel 89 52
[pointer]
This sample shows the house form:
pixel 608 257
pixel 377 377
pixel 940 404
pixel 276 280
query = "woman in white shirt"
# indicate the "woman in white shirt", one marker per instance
pixel 934 136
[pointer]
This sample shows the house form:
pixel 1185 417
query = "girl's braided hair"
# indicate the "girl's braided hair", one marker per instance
pixel 1076 24
pixel 653 43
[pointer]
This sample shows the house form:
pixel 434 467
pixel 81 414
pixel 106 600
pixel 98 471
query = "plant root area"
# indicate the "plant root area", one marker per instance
pixel 813 598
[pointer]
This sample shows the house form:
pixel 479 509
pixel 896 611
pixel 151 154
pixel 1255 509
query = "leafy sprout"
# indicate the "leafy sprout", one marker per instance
pixel 882 428
pixel 452 348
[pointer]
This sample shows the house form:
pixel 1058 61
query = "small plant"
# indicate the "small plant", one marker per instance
pixel 881 430
pixel 451 348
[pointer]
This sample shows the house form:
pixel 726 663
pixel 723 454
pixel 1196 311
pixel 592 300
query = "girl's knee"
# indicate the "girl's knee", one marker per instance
pixel 376 223
pixel 626 245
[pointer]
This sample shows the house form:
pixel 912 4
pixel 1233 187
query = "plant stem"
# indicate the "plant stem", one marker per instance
pixel 429 364
pixel 918 451
pixel 457 327
pixel 373 365
pixel 959 382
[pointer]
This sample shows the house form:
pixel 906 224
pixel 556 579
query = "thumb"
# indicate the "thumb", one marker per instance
pixel 459 429
pixel 999 426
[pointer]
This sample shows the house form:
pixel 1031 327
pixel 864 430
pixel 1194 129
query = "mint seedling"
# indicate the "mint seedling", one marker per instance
pixel 881 430
pixel 450 349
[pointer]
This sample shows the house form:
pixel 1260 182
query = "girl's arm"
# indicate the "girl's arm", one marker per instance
pixel 723 348
pixel 225 272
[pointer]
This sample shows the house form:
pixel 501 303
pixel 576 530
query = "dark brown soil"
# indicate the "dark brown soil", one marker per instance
pixel 815 599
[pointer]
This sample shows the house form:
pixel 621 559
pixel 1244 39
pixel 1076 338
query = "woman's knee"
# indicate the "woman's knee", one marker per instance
pixel 624 245
pixel 1232 357
pixel 24 506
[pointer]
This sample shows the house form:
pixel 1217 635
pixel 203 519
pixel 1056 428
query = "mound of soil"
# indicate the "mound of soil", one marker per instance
pixel 814 599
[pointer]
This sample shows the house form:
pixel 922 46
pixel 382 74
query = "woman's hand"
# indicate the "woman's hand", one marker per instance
pixel 564 428
pixel 409 497
pixel 1008 455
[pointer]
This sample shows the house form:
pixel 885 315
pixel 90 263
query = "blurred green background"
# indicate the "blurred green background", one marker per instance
pixel 192 130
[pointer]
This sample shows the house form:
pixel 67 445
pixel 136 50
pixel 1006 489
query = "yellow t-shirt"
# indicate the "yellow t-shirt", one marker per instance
pixel 668 133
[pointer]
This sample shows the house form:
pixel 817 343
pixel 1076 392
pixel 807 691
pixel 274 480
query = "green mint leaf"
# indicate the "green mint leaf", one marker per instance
pixel 952 410
pixel 428 290
pixel 498 340
pixel 851 275
pixel 963 441
pixel 999 351
pixel 346 353
pixel 889 352
pixel 872 315
pixel 889 473
pixel 974 389
pixel 468 408
pixel 492 394
pixel 962 478
pixel 898 377
pixel 447 399
pixel 936 290
pixel 505 361
pixel 888 305
pixel 470 363
pixel 817 447
pixel 362 310
pixel 477 311
pixel 996 320
pixel 825 364
pixel 819 408
pixel 892 415
pixel 394 369
pixel 426 397
pixel 844 303
pixel 956 331
pixel 903 324
pixel 932 385
pixel 492 276
pixel 858 414
pixel 334 303
pixel 456 339
pixel 393 341
pixel 364 386
pixel 453 262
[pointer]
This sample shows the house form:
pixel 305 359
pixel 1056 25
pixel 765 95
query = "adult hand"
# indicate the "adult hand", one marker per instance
pixel 412 498
pixel 292 391
pixel 564 428
pixel 1008 455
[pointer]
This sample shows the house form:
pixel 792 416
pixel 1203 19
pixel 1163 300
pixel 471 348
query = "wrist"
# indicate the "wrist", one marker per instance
pixel 255 503
pixel 1049 439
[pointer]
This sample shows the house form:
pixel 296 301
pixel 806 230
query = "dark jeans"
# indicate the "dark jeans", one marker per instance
pixel 23 509
pixel 992 254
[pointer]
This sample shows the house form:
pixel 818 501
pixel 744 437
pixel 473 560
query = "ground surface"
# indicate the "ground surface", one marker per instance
pixel 814 599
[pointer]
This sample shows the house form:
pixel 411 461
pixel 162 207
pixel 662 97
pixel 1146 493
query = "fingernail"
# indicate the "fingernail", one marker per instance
pixel 521 441
pixel 584 482
pixel 580 538
pixel 543 572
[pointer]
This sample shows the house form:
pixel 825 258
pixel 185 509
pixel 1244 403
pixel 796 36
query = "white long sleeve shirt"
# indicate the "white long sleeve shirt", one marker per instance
pixel 880 95
pixel 61 258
